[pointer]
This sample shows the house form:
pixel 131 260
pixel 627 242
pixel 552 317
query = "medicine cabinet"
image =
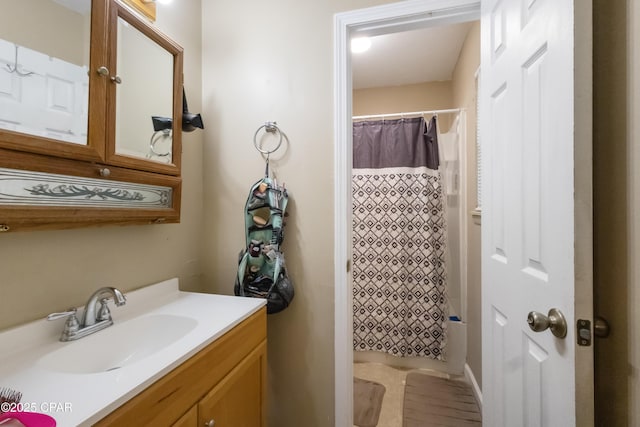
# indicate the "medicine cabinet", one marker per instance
pixel 80 83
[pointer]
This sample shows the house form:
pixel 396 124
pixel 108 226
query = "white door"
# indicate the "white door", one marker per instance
pixel 536 225
pixel 50 98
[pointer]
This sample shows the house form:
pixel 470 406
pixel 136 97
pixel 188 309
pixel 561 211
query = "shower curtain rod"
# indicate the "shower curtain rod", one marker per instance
pixel 413 113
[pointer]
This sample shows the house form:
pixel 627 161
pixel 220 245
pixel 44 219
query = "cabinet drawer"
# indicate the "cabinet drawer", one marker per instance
pixel 165 401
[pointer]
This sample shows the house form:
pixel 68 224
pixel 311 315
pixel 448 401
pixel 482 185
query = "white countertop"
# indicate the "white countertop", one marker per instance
pixel 81 399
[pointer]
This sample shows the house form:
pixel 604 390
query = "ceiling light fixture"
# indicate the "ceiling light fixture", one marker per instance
pixel 360 44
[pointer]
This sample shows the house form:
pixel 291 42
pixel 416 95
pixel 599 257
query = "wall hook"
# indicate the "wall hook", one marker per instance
pixel 14 69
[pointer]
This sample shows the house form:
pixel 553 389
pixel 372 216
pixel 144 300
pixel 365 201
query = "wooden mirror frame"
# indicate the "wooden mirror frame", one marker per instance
pixel 89 167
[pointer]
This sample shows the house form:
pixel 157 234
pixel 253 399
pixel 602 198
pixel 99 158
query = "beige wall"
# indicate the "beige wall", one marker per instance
pixel 425 96
pixel 274 61
pixel 406 98
pixel 465 96
pixel 47 271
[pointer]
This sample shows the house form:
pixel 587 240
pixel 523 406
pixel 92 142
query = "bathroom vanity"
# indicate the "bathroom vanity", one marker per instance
pixel 170 358
pixel 223 384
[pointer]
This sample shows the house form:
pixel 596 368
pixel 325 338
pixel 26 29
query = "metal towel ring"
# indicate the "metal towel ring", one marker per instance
pixel 154 140
pixel 270 127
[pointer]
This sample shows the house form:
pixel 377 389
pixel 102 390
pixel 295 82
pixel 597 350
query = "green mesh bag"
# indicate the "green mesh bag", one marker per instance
pixel 261 268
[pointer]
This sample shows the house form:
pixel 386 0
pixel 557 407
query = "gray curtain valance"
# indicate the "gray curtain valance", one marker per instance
pixel 395 143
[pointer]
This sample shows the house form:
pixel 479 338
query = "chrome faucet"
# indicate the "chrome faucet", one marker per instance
pixel 89 318
pixel 91 321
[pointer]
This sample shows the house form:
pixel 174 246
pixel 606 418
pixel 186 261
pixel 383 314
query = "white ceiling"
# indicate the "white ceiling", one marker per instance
pixel 410 57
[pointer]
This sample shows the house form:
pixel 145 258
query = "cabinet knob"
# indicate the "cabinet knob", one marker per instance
pixel 103 71
pixel 105 172
pixel 210 423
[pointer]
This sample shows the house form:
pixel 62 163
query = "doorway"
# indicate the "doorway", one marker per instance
pixel 385 19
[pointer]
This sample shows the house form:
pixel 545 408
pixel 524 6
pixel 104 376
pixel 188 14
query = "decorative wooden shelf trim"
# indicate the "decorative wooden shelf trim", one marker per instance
pixel 26 188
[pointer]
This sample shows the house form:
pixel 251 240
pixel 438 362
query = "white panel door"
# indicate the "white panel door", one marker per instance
pixel 49 99
pixel 532 216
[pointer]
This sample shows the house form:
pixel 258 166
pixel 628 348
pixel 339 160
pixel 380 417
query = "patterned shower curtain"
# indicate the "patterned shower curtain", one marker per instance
pixel 399 277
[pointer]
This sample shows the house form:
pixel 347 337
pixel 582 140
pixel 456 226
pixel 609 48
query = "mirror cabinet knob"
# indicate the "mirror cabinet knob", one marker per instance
pixel 210 423
pixel 105 172
pixel 104 72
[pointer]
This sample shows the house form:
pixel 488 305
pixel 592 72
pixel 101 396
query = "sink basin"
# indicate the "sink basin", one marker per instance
pixel 119 345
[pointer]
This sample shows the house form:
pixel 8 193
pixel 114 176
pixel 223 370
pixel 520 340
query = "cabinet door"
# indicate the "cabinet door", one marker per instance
pixel 190 419
pixel 147 83
pixel 239 399
pixel 51 93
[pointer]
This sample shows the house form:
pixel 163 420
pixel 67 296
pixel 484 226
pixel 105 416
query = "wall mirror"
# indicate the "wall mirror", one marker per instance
pixel 84 85
pixel 147 72
pixel 44 63
pixel 145 91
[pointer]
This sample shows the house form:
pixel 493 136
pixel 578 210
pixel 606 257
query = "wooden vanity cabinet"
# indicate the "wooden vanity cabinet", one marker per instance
pixel 190 419
pixel 224 383
pixel 237 399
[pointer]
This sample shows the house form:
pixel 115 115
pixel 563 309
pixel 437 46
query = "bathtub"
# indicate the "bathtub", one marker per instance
pixel 455 354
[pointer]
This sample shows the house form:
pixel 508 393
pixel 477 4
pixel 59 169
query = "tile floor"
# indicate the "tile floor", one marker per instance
pixel 394 380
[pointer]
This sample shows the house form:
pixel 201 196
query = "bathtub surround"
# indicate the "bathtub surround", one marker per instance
pixel 454 364
pixel 464 96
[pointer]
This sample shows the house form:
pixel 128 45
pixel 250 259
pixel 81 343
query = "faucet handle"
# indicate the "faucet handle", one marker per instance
pixel 71 326
pixel 103 313
pixel 55 316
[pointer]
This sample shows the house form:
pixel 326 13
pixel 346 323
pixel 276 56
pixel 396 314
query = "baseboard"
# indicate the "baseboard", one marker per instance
pixel 468 374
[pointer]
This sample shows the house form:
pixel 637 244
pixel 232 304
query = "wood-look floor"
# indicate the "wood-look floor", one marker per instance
pixel 431 401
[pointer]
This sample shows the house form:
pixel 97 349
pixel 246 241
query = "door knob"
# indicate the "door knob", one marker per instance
pixel 555 321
